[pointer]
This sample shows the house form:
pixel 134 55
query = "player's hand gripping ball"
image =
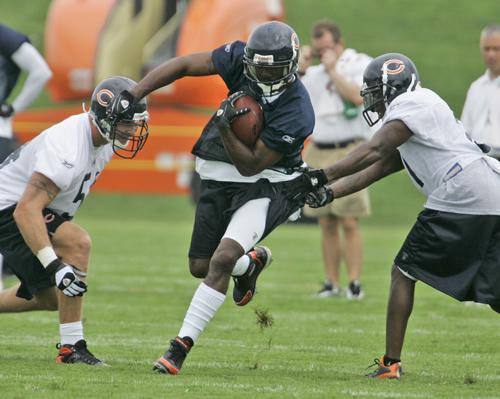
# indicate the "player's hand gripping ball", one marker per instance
pixel 244 115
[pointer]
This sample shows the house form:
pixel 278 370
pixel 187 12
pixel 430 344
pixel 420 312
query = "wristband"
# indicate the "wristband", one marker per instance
pixel 46 256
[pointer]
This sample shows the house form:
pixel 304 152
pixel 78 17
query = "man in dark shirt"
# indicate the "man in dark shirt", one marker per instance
pixel 17 54
pixel 246 192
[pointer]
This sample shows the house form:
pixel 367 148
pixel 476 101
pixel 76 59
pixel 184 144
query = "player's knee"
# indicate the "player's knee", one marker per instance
pixel 47 300
pixel 223 261
pixel 78 253
pixel 83 244
pixel 198 267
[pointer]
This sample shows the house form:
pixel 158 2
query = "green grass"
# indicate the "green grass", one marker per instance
pixel 140 288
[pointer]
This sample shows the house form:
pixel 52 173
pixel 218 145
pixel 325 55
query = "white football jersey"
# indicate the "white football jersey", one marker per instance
pixel 66 155
pixel 441 159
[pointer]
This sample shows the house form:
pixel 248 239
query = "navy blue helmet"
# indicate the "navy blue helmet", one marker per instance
pixel 385 78
pixel 127 134
pixel 271 57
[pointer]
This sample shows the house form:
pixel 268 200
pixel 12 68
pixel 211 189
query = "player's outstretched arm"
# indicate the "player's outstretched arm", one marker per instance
pixel 360 180
pixel 198 64
pixel 382 145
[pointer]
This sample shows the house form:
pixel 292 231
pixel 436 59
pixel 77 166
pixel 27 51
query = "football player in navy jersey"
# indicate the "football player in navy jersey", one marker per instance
pixel 17 54
pixel 246 192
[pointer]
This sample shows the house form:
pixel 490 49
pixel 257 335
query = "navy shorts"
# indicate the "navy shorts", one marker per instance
pixel 218 202
pixel 22 261
pixel 457 254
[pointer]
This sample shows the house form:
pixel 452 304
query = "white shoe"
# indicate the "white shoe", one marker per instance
pixel 328 290
pixel 354 291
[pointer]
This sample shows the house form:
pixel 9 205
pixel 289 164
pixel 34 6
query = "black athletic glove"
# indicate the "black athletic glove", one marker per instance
pixel 66 278
pixel 322 196
pixel 298 188
pixel 6 110
pixel 227 112
pixel 121 107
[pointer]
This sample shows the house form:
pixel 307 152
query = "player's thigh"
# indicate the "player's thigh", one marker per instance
pixel 248 223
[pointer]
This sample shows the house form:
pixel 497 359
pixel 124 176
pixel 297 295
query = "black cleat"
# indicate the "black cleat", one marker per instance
pixel 77 353
pixel 171 361
pixel 244 286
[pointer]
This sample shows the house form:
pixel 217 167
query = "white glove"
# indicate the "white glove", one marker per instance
pixel 66 278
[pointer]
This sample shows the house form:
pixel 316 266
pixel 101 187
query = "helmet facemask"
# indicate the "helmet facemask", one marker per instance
pixel 126 136
pixel 270 77
pixel 375 101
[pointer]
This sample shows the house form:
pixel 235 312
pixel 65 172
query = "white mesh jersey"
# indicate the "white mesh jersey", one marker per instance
pixel 66 155
pixel 441 159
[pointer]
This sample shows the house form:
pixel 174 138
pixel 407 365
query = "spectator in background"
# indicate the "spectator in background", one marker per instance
pixel 334 87
pixel 16 54
pixel 481 113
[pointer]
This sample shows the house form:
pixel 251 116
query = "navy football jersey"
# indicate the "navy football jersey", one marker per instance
pixel 288 120
pixel 10 41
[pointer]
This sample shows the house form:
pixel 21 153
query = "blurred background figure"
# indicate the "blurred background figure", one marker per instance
pixel 334 86
pixel 17 54
pixel 481 112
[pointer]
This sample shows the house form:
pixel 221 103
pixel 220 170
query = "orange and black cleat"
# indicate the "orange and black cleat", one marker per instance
pixel 77 353
pixel 391 371
pixel 171 361
pixel 244 286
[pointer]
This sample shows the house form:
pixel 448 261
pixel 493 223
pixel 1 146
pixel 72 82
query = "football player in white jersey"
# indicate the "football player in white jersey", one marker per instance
pixel 42 184
pixel 454 245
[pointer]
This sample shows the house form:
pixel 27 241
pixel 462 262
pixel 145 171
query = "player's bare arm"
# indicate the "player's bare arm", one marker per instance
pixel 248 161
pixel 198 64
pixel 383 144
pixel 39 192
pixel 360 180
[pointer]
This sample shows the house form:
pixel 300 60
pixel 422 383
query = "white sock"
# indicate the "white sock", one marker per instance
pixel 241 266
pixel 205 303
pixel 71 332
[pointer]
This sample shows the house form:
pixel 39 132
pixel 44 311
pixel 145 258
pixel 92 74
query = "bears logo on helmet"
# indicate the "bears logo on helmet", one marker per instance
pixel 385 78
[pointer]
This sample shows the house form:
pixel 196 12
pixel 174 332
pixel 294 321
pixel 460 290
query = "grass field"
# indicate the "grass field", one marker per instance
pixel 140 288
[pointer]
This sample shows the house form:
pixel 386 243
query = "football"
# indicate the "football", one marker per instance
pixel 248 127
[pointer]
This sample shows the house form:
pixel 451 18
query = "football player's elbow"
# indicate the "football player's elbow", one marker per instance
pixel 248 170
pixel 46 74
pixel 21 212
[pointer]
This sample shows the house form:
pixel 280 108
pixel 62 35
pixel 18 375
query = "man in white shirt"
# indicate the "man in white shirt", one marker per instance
pixel 17 54
pixel 334 86
pixel 481 113
pixel 42 184
pixel 454 245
